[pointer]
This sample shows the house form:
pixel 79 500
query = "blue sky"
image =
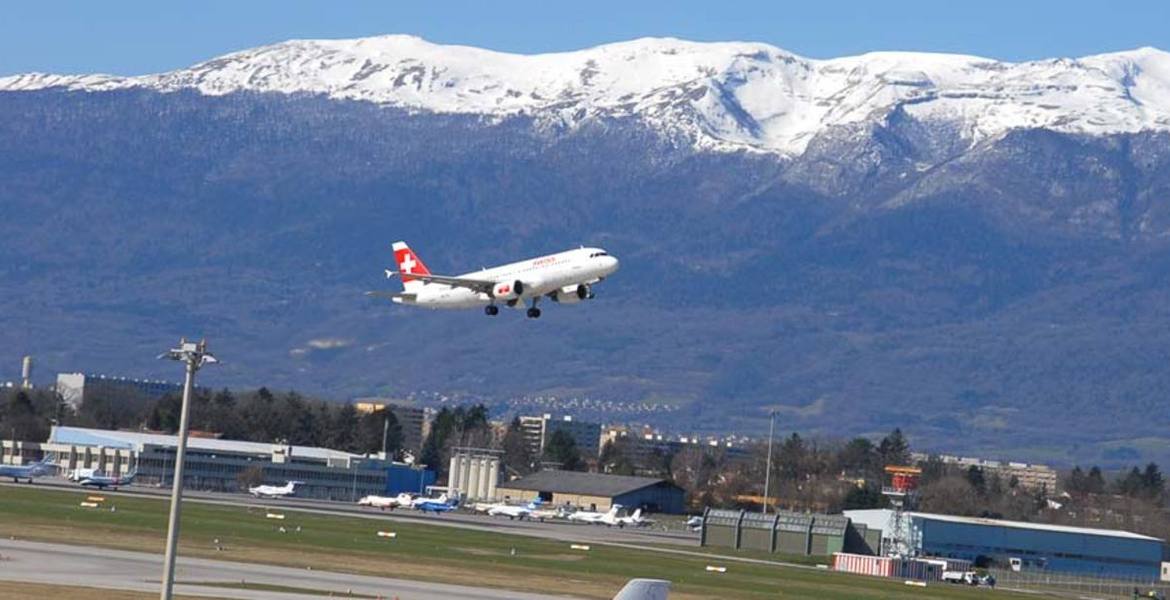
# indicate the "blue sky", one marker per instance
pixel 135 37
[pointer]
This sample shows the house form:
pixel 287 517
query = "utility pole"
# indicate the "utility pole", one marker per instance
pixel 385 431
pixel 768 469
pixel 195 355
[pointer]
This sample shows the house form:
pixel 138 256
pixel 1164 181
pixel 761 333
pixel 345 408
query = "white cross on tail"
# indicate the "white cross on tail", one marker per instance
pixel 408 263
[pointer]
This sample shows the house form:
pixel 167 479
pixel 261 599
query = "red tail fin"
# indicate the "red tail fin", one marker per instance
pixel 408 262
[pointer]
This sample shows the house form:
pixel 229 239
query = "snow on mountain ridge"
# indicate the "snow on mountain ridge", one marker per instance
pixel 724 95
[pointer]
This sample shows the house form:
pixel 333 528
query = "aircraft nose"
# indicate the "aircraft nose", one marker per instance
pixel 611 264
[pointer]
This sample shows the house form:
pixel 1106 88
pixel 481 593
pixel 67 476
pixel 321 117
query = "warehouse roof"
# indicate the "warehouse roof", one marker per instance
pixel 1036 526
pixel 133 440
pixel 886 515
pixel 576 482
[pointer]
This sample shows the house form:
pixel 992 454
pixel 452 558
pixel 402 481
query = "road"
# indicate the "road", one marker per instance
pixel 466 520
pixel 58 564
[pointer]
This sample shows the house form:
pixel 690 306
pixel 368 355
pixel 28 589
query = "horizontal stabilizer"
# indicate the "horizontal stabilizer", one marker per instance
pixel 644 589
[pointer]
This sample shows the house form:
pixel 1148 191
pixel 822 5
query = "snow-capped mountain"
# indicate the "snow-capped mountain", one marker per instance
pixel 725 96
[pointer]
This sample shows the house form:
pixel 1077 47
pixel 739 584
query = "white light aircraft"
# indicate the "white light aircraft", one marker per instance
pixel 420 501
pixel 565 278
pixel 387 502
pixel 597 518
pixel 513 511
pixel 634 520
pixel 274 491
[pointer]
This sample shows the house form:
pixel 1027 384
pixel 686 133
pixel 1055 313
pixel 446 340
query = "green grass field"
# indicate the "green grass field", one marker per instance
pixel 420 551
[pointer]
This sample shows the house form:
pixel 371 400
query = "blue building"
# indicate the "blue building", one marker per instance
pixel 403 478
pixel 1034 546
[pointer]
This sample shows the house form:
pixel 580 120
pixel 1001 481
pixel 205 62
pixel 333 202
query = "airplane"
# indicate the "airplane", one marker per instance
pixel 514 512
pixel 565 278
pixel 559 512
pixel 391 502
pixel 29 472
pixel 634 520
pixel 420 500
pixel 274 491
pixel 596 518
pixel 644 589
pixel 102 482
pixel 436 505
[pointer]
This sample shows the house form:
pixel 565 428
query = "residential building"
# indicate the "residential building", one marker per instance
pixel 538 431
pixel 76 388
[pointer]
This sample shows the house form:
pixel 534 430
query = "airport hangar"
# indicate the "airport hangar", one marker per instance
pixel 596 491
pixel 1036 546
pixel 215 464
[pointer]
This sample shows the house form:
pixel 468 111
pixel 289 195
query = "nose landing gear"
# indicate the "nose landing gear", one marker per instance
pixel 491 310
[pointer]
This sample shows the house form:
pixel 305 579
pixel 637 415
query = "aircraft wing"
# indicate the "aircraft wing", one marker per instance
pixel 478 285
pixel 391 295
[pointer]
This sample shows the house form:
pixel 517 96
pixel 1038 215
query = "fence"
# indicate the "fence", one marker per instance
pixel 1077 586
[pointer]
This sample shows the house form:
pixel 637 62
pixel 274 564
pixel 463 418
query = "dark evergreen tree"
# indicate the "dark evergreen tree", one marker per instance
pixel 561 448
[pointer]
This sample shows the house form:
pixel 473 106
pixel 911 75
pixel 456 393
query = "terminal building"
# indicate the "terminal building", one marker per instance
pixel 1031 546
pixel 221 465
pixel 596 491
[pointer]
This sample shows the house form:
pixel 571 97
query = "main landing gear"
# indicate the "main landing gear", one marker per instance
pixel 491 310
pixel 534 313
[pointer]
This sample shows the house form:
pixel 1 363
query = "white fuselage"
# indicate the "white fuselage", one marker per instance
pixel 540 277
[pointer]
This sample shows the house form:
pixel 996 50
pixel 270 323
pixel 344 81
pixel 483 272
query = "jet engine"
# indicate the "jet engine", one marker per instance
pixel 508 290
pixel 571 294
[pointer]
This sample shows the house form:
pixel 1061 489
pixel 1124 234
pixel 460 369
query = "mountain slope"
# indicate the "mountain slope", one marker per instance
pixel 719 95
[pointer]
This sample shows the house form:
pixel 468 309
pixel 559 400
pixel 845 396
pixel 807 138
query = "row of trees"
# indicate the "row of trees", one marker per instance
pixel 258 416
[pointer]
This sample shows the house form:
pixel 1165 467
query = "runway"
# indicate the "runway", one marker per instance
pixel 59 564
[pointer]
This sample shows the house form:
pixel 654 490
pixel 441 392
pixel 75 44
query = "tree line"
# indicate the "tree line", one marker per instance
pixel 255 416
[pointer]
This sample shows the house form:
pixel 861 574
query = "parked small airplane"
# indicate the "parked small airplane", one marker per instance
pixel 29 472
pixel 597 518
pixel 634 520
pixel 102 482
pixel 644 589
pixel 436 505
pixel 387 502
pixel 544 514
pixel 274 491
pixel 566 278
pixel 513 511
pixel 420 500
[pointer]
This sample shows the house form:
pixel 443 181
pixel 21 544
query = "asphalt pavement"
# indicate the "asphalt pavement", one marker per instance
pixel 59 564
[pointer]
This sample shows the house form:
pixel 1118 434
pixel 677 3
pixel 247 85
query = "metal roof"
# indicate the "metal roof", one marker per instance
pixel 576 482
pixel 1036 526
pixel 881 518
pixel 133 440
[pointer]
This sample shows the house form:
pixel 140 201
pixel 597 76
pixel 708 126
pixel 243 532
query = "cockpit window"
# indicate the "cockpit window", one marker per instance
pixel 596 254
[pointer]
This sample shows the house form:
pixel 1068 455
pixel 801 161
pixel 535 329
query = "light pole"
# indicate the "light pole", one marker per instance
pixel 195 355
pixel 768 469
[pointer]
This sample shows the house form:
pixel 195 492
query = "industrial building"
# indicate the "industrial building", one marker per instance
pixel 216 465
pixel 411 419
pixel 474 473
pixel 786 532
pixel 596 491
pixel 75 388
pixel 1031 546
pixel 538 431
